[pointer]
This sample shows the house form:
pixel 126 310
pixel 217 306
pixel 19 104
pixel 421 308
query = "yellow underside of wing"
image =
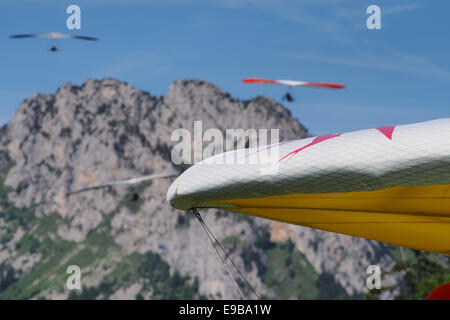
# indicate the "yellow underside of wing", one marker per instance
pixel 414 217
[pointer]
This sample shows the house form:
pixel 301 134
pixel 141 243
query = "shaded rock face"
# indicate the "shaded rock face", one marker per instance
pixel 106 130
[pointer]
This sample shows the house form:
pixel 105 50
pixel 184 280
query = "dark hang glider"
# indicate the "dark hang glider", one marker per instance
pixel 53 36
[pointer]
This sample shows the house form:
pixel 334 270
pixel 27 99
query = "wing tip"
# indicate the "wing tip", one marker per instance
pixel 325 85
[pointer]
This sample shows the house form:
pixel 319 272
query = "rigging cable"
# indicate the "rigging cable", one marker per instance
pixel 216 243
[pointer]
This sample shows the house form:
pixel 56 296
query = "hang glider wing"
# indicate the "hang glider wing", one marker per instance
pixel 125 182
pixel 292 83
pixel 52 35
pixel 20 36
pixel 85 38
pixel 390 184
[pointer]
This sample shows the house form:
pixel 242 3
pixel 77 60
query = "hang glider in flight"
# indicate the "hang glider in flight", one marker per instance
pixel 54 36
pixel 291 83
pixel 390 184
pixel 125 182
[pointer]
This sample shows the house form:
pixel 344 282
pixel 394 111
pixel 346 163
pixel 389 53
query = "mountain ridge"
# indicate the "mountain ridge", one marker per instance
pixel 107 129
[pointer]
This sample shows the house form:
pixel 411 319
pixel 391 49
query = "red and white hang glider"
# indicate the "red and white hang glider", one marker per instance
pixel 292 83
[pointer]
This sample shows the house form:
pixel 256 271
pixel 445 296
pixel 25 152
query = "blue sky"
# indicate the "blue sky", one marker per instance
pixel 399 74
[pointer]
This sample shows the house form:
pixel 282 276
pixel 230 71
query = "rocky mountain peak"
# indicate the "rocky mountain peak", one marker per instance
pixel 107 129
